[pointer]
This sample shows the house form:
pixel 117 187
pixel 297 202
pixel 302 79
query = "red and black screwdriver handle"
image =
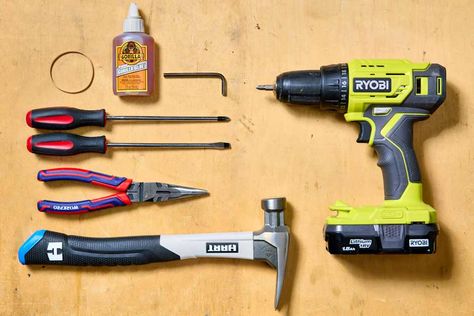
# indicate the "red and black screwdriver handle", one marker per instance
pixel 119 184
pixel 62 118
pixel 65 144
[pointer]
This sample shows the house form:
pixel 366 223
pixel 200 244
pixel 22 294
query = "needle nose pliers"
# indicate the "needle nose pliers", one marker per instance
pixel 128 191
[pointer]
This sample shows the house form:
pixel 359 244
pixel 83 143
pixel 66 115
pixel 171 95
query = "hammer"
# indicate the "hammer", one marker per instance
pixel 269 244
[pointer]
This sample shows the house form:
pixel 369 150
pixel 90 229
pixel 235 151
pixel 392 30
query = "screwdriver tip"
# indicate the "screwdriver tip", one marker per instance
pixel 225 145
pixel 223 119
pixel 267 87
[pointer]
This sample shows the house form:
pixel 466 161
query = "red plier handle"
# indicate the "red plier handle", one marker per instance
pixel 119 184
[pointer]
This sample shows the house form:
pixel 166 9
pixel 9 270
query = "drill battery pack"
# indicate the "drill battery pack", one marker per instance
pixel 386 238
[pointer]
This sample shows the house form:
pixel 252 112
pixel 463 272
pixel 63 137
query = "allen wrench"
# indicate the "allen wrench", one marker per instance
pixel 200 75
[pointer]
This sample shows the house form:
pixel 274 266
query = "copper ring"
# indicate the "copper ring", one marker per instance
pixel 62 55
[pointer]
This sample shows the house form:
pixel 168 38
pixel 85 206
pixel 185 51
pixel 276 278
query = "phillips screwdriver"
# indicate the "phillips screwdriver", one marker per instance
pixel 63 118
pixel 65 144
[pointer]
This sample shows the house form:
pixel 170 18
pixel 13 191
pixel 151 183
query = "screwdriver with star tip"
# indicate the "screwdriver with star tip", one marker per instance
pixel 64 118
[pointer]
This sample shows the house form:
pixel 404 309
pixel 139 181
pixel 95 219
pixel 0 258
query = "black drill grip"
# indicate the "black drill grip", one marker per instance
pixel 396 156
pixel 64 144
pixel 51 248
pixel 63 118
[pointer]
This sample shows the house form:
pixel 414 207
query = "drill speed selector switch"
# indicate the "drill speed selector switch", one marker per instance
pixel 385 97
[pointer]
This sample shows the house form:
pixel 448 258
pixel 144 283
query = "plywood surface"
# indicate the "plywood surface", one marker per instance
pixel 308 156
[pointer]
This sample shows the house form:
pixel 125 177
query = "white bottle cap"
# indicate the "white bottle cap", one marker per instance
pixel 133 22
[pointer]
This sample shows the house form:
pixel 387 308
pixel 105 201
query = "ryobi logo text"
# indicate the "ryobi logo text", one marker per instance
pixel 222 247
pixel 419 242
pixel 372 85
pixel 53 251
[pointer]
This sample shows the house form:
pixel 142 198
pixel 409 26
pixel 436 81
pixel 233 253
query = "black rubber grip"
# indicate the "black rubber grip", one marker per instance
pixel 63 118
pixel 397 158
pixel 64 144
pixel 60 249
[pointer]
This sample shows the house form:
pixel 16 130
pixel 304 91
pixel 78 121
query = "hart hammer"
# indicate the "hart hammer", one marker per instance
pixel 269 244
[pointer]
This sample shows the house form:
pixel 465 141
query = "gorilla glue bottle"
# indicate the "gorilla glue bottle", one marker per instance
pixel 133 58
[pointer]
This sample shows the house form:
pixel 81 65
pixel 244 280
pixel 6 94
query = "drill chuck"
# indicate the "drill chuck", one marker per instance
pixel 327 87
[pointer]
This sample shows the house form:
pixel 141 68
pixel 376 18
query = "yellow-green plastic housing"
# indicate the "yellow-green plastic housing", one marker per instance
pixel 409 208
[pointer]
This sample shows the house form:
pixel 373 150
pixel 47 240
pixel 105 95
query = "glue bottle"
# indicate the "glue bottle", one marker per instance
pixel 133 58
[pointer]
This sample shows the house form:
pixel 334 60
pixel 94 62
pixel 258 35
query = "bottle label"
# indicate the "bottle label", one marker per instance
pixel 131 72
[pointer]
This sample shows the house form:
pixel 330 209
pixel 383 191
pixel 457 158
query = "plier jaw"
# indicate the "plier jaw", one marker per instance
pixel 160 192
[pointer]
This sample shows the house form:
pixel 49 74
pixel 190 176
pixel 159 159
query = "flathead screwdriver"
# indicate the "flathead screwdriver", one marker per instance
pixel 64 144
pixel 63 118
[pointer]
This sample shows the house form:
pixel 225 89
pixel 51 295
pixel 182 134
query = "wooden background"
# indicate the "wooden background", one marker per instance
pixel 309 156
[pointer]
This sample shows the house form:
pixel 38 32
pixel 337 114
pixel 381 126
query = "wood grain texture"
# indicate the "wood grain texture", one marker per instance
pixel 306 155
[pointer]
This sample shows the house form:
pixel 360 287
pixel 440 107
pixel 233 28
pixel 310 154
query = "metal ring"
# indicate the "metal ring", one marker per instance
pixel 62 55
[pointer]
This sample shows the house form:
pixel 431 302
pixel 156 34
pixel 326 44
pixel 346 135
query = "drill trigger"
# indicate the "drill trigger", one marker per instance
pixel 365 130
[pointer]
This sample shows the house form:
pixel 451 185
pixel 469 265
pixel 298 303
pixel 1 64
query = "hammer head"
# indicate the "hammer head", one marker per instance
pixel 271 242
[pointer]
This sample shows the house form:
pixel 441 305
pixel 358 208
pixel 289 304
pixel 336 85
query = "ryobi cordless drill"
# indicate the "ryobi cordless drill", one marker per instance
pixel 385 97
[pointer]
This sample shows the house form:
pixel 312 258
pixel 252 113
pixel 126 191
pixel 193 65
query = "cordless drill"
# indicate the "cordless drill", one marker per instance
pixel 385 97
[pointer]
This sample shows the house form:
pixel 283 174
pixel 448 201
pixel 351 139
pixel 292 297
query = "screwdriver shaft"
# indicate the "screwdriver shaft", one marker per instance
pixel 220 145
pixel 169 118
